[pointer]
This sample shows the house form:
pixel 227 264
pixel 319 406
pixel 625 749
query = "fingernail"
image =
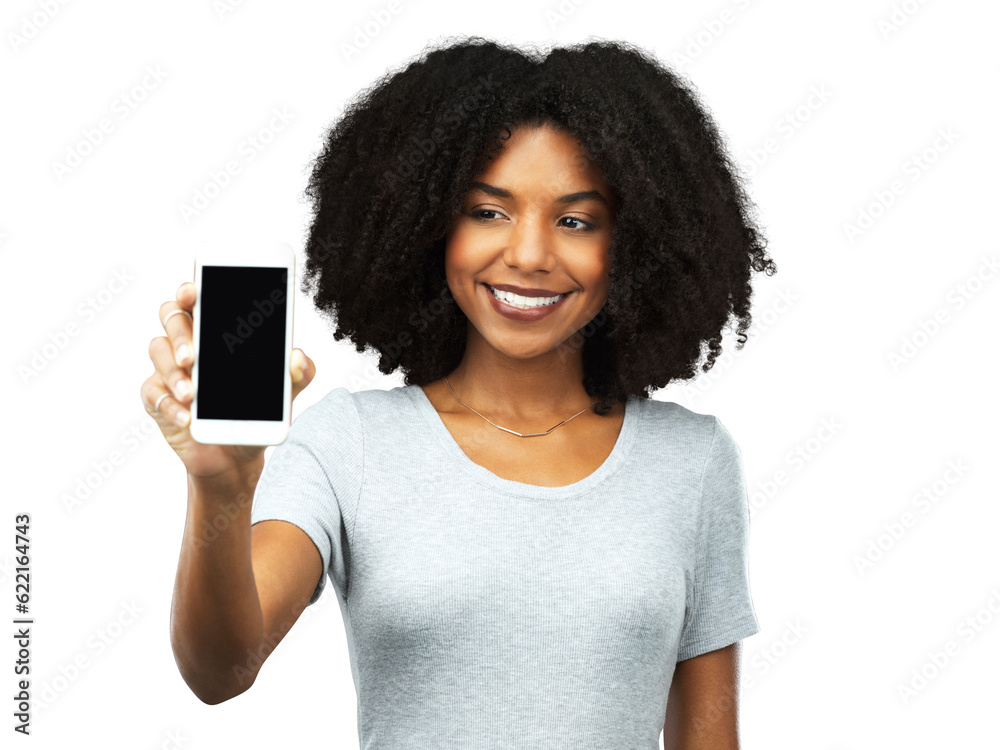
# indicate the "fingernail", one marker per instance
pixel 182 417
pixel 183 352
pixel 183 388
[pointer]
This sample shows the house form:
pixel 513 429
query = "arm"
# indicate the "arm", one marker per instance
pixel 703 702
pixel 237 591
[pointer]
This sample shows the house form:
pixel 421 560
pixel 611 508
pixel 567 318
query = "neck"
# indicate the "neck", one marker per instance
pixel 536 389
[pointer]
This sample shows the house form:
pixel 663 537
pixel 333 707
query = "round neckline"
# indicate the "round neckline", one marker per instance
pixel 614 460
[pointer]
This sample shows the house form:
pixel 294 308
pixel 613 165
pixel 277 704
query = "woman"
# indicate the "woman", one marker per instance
pixel 527 550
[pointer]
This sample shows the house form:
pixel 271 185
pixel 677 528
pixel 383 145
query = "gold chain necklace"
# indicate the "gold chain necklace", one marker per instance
pixel 530 434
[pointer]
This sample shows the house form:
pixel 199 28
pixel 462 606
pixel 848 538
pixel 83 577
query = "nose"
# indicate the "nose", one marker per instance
pixel 530 244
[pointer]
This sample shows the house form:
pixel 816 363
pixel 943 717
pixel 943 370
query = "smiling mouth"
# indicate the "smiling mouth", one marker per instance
pixel 525 303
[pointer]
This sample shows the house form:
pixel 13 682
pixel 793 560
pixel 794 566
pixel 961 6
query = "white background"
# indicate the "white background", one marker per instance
pixel 838 440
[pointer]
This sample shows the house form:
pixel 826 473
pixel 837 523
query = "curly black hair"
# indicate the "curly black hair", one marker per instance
pixel 394 169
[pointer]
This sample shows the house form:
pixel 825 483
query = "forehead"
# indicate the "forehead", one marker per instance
pixel 543 153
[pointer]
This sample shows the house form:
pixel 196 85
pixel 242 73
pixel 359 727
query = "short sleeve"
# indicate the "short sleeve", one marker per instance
pixel 720 610
pixel 313 480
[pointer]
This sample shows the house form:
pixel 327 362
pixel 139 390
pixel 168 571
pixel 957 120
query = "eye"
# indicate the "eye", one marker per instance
pixel 587 224
pixel 582 226
pixel 478 214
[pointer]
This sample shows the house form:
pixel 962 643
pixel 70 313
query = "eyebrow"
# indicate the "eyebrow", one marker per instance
pixel 583 195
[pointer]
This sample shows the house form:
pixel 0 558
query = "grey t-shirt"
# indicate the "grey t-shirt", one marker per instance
pixel 482 612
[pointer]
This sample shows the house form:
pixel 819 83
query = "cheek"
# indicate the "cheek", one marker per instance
pixel 454 256
pixel 460 252
pixel 595 273
pixel 460 265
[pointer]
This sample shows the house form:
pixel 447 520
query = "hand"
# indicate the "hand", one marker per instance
pixel 173 358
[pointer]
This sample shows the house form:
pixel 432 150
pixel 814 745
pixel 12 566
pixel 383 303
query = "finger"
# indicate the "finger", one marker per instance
pixel 298 365
pixel 302 369
pixel 185 295
pixel 176 321
pixel 175 378
pixel 160 403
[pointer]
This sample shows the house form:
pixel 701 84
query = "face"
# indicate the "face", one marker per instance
pixel 540 218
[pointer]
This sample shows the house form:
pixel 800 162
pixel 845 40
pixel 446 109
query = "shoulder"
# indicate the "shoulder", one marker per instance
pixel 337 407
pixel 700 440
pixel 670 419
pixel 355 414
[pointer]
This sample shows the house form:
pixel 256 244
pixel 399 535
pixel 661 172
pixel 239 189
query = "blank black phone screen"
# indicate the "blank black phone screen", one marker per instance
pixel 241 348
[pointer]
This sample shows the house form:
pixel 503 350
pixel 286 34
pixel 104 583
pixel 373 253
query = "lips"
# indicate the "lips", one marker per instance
pixel 547 295
pixel 526 291
pixel 528 315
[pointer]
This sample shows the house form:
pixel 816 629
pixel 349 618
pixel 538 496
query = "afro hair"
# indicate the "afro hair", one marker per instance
pixel 394 169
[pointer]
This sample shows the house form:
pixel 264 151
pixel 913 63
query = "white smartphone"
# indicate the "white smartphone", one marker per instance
pixel 242 341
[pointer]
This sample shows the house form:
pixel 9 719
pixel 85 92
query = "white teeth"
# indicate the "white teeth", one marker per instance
pixel 524 303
